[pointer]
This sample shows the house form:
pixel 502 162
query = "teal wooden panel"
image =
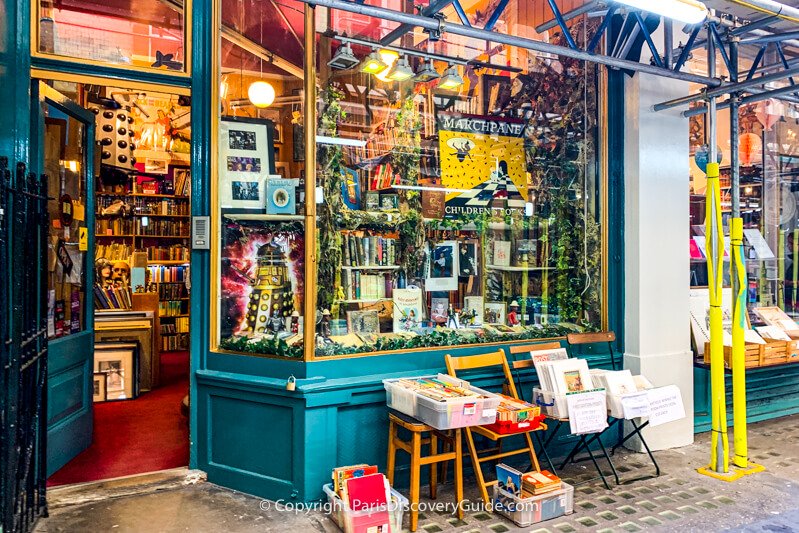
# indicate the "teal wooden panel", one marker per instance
pixel 246 436
pixel 771 393
pixel 66 394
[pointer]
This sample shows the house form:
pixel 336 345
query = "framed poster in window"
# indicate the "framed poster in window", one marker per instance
pixel 246 158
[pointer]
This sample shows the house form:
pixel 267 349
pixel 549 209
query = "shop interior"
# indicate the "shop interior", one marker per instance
pixel 137 273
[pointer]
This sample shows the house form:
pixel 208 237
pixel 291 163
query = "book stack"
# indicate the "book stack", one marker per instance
pixel 112 297
pixel 160 206
pixel 163 228
pixel 439 390
pixel 515 411
pixel 170 308
pixel 358 286
pixel 564 376
pixel 343 473
pixel 528 484
pixel 170 292
pixel 114 226
pixel 182 184
pixel 368 251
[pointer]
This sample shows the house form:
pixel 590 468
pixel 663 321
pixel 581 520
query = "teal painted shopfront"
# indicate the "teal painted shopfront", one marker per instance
pixel 492 191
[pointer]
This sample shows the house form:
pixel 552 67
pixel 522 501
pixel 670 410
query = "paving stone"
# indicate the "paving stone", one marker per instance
pixel 630 527
pixel 587 522
pixel 687 509
pixel 724 499
pixel 432 528
pixel 684 495
pixel 707 505
pixel 670 515
pixel 605 530
pixel 646 504
pixel 626 495
pixel 700 490
pixel 586 505
pixel 606 500
pixel 564 528
pixel 542 530
pixel 627 509
pixel 651 521
pixel 663 499
pixel 499 528
pixel 608 515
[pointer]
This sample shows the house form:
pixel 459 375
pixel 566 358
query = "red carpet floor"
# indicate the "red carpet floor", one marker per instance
pixel 137 436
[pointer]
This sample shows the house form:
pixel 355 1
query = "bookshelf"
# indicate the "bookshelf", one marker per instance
pixel 156 219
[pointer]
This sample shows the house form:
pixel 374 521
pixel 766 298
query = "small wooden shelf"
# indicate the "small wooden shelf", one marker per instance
pixel 517 268
pixel 122 236
pixel 374 267
pixel 174 316
pixel 364 301
pixel 163 216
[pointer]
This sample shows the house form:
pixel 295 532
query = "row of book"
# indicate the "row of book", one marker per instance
pixel 159 227
pixel 173 291
pixel 114 226
pixel 437 389
pixel 358 286
pixel 160 206
pixel 382 177
pixel 113 252
pixel 180 325
pixel 174 342
pixel 112 297
pixel 170 308
pixel 182 183
pixel 176 252
pixel 167 274
pixel 515 411
pixel 368 251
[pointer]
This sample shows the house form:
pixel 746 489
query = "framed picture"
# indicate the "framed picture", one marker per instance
pixel 389 202
pixel 476 304
pixel 444 268
pixel 155 166
pixel 117 365
pixel 100 387
pixel 495 313
pixel 246 159
pixel 363 321
pixel 372 201
pixel 282 169
pixel 467 258
pixel 278 134
pixel 438 309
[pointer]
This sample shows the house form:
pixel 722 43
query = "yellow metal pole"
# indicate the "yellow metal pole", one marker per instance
pixel 737 271
pixel 719 450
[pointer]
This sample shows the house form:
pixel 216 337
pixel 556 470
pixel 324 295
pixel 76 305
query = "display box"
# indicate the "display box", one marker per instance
pixel 527 511
pixel 450 414
pixel 508 428
pixel 367 520
pixel 757 355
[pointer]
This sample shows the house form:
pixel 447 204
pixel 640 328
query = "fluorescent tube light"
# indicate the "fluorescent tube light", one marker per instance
pixel 323 139
pixel 687 11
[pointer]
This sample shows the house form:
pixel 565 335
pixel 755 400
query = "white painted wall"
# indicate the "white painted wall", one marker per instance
pixel 656 334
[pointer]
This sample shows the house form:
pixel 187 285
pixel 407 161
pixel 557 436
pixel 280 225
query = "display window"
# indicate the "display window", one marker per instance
pixel 457 190
pixel 769 184
pixel 147 34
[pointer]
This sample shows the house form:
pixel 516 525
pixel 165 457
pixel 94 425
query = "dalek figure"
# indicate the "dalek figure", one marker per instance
pixel 271 295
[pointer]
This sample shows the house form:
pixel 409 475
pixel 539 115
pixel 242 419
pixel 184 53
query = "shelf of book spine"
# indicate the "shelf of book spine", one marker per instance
pixel 173 304
pixel 368 262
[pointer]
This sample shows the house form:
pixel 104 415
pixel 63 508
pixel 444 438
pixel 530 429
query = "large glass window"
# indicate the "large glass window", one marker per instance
pixel 459 184
pixel 260 186
pixel 145 33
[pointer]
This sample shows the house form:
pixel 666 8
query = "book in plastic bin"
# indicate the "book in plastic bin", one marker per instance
pixel 343 473
pixel 509 479
pixel 368 498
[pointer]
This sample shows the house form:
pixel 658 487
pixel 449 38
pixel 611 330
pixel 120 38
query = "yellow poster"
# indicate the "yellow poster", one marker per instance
pixel 483 163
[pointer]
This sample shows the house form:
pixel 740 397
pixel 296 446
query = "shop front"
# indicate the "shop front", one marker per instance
pixel 368 195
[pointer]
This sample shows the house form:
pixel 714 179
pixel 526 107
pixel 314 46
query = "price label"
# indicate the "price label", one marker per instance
pixel 469 409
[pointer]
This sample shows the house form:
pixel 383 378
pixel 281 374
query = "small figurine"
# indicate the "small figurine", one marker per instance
pixel 340 296
pixel 452 318
pixel 277 323
pixel 295 322
pixel 324 325
pixel 513 313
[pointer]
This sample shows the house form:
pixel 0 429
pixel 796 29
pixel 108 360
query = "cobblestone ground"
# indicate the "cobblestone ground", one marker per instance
pixel 678 500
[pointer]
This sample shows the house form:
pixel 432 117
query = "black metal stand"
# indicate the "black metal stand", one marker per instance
pixel 636 431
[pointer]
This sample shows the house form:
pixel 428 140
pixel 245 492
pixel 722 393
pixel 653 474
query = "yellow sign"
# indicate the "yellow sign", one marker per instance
pixel 482 163
pixel 83 239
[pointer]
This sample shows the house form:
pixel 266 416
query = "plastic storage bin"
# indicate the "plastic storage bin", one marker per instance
pixel 527 511
pixel 361 521
pixel 553 405
pixel 454 413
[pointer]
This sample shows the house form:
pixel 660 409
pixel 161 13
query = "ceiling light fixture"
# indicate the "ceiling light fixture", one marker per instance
pixel 687 11
pixel 451 79
pixel 389 57
pixel 261 94
pixel 373 63
pixel 402 70
pixel 343 59
pixel 427 73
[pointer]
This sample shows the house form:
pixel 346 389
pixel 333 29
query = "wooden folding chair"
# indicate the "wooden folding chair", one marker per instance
pixel 473 362
pixel 576 339
pixel 523 364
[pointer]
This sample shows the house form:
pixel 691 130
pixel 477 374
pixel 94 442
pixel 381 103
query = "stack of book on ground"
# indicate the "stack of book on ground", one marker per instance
pixel 442 401
pixel 516 416
pixel 361 500
pixel 531 497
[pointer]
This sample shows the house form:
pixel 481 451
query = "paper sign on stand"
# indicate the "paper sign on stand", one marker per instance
pixel 587 412
pixel 665 404
pixel 635 405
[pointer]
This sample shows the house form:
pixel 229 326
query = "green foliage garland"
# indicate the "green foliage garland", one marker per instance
pixel 331 165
